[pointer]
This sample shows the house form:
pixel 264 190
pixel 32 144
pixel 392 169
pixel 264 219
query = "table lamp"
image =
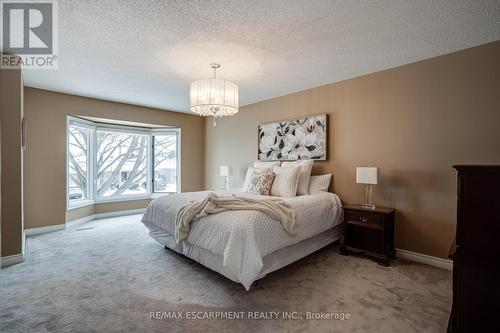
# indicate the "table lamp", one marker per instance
pixel 368 177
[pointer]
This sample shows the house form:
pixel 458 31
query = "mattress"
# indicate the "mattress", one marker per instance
pixel 271 262
pixel 241 238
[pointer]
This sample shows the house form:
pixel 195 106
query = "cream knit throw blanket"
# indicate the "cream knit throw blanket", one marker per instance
pixel 213 204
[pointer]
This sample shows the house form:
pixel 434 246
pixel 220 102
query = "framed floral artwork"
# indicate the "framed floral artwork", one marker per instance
pixel 296 139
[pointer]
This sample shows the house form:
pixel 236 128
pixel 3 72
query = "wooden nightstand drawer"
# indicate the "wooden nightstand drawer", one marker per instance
pixel 366 237
pixel 369 231
pixel 363 217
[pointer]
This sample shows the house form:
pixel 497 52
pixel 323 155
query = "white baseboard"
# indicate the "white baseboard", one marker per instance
pixel 11 260
pixel 424 259
pixel 80 221
pixel 43 230
pixel 83 220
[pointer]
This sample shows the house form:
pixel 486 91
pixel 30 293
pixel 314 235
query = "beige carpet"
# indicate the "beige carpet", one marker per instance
pixel 109 275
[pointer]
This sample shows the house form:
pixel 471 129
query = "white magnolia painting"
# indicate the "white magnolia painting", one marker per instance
pixel 298 139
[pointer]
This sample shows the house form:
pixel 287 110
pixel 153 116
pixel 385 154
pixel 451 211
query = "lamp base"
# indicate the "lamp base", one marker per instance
pixel 368 197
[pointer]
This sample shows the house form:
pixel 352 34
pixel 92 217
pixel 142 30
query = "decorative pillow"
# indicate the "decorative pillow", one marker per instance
pixel 305 174
pixel 261 164
pixel 250 171
pixel 319 183
pixel 259 183
pixel 285 181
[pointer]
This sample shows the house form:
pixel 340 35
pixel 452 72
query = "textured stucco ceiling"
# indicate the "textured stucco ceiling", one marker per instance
pixel 147 52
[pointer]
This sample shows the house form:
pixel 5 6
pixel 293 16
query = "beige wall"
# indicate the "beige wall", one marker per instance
pixel 45 156
pixel 11 107
pixel 413 122
pixel 78 213
pixel 124 205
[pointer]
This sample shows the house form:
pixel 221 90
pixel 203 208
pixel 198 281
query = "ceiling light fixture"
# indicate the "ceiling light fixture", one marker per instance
pixel 214 97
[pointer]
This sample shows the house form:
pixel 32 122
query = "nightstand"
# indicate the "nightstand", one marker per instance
pixel 369 231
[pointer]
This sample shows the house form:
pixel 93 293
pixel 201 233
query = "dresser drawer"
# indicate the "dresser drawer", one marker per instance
pixel 363 217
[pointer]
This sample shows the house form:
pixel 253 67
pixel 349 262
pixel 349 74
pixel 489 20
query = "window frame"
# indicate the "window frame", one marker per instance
pixel 92 162
pixel 123 197
pixel 90 183
pixel 167 131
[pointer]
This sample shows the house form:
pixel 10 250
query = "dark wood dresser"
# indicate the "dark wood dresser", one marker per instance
pixel 476 251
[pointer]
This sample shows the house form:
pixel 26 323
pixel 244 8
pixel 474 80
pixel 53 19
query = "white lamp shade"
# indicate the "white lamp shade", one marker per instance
pixel 366 175
pixel 214 97
pixel 225 170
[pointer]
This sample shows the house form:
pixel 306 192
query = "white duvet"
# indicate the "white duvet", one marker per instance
pixel 244 237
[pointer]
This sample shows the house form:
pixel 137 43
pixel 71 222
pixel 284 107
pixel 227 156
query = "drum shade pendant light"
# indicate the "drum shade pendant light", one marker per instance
pixel 214 97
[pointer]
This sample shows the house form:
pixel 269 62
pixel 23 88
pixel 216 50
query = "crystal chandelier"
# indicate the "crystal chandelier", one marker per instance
pixel 214 97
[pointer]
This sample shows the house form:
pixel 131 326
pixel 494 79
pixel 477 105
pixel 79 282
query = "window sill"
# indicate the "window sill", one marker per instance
pixel 159 195
pixel 80 204
pixel 125 198
pixel 108 200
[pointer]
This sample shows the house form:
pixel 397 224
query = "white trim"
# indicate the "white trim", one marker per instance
pixel 125 197
pixel 121 129
pixel 81 204
pixel 11 260
pixel 43 230
pixel 160 194
pixel 177 132
pixel 425 259
pixel 179 161
pixel 128 197
pixel 73 121
pixel 80 121
pixel 79 222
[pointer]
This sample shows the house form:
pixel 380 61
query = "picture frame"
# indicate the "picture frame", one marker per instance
pixel 301 138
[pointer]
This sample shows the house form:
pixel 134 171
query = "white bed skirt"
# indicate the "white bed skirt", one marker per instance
pixel 271 262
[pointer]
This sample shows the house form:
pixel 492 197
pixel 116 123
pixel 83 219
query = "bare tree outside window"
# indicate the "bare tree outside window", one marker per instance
pixel 121 162
pixel 78 157
pixel 165 163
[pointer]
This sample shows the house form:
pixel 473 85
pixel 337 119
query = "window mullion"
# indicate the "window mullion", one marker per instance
pixel 78 135
pixel 94 163
pixel 150 164
pixel 178 160
pixel 166 178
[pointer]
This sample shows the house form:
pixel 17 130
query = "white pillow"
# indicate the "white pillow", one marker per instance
pixel 285 181
pixel 319 183
pixel 305 174
pixel 261 164
pixel 250 171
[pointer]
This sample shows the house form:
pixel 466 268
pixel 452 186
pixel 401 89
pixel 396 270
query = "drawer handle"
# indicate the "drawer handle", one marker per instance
pixel 363 219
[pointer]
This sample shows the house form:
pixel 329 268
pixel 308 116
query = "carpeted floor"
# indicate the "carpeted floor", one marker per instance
pixel 109 275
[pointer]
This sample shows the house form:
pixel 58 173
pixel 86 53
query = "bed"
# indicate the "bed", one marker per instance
pixel 246 245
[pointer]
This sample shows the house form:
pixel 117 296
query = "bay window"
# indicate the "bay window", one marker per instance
pixel 115 162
